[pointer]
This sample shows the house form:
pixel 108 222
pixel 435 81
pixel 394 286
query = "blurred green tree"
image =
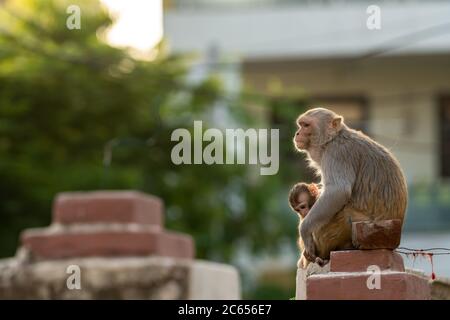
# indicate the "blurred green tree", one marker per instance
pixel 78 114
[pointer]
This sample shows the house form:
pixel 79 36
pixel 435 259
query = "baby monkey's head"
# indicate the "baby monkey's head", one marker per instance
pixel 302 197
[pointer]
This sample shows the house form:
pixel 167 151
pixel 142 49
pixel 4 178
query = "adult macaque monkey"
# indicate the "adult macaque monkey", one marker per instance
pixel 361 181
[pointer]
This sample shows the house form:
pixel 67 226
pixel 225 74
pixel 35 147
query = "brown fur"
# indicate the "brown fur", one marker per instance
pixel 310 189
pixel 362 181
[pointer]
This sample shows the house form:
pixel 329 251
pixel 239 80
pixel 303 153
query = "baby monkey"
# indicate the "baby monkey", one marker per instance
pixel 301 198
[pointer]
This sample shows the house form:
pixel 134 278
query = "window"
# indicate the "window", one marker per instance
pixel 444 119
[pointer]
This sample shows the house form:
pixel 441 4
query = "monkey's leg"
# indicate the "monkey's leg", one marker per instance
pixel 302 262
pixel 337 235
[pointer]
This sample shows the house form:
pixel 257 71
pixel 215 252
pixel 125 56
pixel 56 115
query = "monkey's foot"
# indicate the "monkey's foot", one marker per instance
pixel 321 262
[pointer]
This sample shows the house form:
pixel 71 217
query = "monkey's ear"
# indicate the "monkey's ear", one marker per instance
pixel 337 123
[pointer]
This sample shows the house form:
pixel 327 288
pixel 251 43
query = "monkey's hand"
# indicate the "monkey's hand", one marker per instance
pixel 321 262
pixel 310 249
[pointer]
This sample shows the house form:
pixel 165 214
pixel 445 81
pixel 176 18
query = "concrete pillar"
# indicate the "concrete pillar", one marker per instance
pixel 377 273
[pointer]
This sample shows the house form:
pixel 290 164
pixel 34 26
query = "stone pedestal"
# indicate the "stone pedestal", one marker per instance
pixel 106 224
pixel 117 246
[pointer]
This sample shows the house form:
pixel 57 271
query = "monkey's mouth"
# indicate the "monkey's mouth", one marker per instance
pixel 300 144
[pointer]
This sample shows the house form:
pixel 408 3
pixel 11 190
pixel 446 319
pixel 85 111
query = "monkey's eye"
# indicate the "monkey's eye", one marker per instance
pixel 305 125
pixel 303 206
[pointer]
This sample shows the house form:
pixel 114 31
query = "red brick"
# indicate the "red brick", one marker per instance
pixel 154 241
pixel 107 206
pixel 348 286
pixel 359 260
pixel 383 234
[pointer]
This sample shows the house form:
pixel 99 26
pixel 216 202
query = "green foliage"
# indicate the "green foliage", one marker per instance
pixel 69 103
pixel 65 94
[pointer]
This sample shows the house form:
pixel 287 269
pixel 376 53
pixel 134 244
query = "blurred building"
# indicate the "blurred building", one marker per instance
pixel 393 83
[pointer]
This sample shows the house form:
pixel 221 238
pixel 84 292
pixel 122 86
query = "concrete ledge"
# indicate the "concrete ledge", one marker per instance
pixel 302 276
pixel 120 278
pixel 440 289
pixel 209 280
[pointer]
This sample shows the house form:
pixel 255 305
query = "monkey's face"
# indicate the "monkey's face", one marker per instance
pixel 302 138
pixel 316 127
pixel 302 206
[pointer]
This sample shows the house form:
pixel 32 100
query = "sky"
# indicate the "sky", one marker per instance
pixel 139 23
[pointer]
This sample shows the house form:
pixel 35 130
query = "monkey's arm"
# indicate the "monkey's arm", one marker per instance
pixel 338 178
pixel 332 200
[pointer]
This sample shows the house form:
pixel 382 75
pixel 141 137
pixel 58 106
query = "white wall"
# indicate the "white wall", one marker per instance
pixel 304 30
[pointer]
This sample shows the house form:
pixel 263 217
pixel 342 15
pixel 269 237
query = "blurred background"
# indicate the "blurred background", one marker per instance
pixel 94 108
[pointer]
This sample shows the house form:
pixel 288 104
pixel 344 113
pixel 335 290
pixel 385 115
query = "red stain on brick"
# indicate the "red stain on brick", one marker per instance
pixel 433 275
